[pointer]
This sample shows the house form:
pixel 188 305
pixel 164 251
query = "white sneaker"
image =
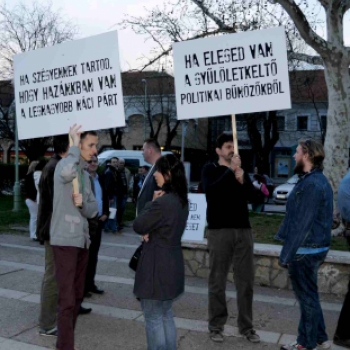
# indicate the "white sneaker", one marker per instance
pixel 326 345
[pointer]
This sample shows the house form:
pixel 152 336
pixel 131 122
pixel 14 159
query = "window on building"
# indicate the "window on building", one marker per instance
pixel 324 122
pixel 240 122
pixel 302 122
pixel 281 123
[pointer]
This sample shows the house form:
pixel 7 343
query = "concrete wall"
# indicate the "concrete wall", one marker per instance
pixel 333 277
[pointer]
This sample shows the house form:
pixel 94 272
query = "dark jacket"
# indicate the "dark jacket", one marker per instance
pixel 309 216
pixel 93 223
pixel 227 199
pixel 110 179
pixel 29 187
pixel 160 272
pixel 46 199
pixel 147 191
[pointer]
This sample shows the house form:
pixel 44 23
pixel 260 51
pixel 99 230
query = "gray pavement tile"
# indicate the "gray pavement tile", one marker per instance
pixel 119 252
pixel 8 344
pixel 116 295
pixel 114 269
pixel 24 281
pixel 282 319
pixel 16 317
pixel 22 256
pixel 7 269
pixel 193 341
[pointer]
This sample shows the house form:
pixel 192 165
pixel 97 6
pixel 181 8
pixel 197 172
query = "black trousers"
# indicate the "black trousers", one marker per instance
pixel 228 246
pixel 95 238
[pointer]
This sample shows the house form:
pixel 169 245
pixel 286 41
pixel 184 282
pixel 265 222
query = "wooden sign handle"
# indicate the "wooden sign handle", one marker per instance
pixel 234 133
pixel 75 181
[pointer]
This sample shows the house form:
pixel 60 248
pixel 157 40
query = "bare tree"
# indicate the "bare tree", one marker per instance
pixel 30 27
pixel 25 28
pixel 191 19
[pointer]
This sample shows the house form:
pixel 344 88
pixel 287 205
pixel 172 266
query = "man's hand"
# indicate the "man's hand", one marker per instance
pixel 239 174
pixel 74 133
pixel 103 218
pixel 145 237
pixel 157 194
pixel 78 199
pixel 235 162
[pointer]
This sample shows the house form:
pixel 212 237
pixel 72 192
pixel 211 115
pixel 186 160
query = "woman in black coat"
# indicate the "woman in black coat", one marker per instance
pixel 160 276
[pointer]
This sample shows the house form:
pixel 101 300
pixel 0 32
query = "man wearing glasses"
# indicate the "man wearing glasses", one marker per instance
pixel 95 226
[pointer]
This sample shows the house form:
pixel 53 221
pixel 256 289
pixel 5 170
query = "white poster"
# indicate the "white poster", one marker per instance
pixel 197 218
pixel 74 82
pixel 232 74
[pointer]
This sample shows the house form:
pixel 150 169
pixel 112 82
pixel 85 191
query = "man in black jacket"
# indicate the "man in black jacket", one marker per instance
pixel 49 292
pixel 111 188
pixel 228 189
pixel 95 226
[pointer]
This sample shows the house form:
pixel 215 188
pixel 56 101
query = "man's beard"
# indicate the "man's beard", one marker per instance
pixel 228 158
pixel 299 167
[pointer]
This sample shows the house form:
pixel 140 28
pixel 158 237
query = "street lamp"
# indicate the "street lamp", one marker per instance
pixel 16 187
pixel 144 81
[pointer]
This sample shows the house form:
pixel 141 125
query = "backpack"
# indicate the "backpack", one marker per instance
pixel 261 194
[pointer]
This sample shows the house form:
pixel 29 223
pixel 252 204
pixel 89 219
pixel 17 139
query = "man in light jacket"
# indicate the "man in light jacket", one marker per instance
pixel 70 231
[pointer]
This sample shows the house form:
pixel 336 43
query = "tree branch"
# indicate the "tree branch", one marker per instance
pixel 166 52
pixel 314 60
pixel 308 34
pixel 218 21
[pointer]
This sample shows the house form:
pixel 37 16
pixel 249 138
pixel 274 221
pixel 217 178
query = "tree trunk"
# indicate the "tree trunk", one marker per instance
pixel 337 137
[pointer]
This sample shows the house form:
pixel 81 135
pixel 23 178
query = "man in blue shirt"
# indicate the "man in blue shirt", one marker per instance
pixel 95 226
pixel 306 232
pixel 342 334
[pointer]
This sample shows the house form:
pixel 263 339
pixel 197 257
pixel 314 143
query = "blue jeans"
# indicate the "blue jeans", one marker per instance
pixel 111 224
pixel 160 325
pixel 303 273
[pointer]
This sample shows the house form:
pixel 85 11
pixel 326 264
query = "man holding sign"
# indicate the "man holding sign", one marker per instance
pixel 228 188
pixel 70 231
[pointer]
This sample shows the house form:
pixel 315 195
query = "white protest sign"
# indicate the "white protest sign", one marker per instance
pixel 74 82
pixel 197 218
pixel 232 74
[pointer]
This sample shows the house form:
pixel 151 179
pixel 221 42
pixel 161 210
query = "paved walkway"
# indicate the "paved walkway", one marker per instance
pixel 116 321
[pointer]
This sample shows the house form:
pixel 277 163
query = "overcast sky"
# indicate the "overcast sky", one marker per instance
pixel 98 16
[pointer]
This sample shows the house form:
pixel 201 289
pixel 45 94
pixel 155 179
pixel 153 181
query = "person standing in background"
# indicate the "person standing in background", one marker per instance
pixel 37 175
pixel 95 226
pixel 111 186
pixel 151 153
pixel 49 292
pixel 31 196
pixel 123 182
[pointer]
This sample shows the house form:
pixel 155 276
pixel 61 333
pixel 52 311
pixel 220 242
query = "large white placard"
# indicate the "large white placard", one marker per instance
pixel 75 82
pixel 232 74
pixel 197 218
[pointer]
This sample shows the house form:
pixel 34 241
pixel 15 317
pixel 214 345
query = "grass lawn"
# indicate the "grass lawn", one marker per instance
pixel 9 217
pixel 264 226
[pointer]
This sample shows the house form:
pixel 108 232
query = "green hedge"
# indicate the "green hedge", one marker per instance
pixel 7 174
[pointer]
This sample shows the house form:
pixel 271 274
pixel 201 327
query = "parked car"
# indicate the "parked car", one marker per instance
pixel 282 192
pixel 269 184
pixel 132 158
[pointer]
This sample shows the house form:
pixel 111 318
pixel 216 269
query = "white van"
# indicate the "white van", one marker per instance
pixel 132 158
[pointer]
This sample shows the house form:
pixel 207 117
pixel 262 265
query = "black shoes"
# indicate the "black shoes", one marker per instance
pixel 84 311
pixel 341 342
pixel 95 290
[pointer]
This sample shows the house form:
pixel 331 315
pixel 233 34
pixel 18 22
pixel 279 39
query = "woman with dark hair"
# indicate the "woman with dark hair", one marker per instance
pixel 160 275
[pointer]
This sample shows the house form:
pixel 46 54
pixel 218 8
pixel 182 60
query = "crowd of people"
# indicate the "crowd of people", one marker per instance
pixel 70 226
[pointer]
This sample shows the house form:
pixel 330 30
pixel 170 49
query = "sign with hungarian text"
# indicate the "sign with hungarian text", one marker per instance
pixel 77 82
pixel 232 74
pixel 197 218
